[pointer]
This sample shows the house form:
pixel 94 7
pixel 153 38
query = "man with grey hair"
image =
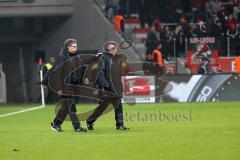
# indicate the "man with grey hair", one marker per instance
pixel 110 80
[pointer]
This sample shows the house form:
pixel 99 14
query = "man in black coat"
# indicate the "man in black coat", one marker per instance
pixel 110 80
pixel 68 103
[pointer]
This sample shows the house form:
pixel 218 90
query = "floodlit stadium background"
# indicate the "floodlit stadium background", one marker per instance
pixel 162 127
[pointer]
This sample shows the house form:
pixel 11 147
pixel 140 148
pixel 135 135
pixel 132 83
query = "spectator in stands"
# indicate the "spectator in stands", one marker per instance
pixel 222 17
pixel 236 1
pixel 182 31
pixel 212 7
pixel 141 9
pixel 186 29
pixel 124 7
pixel 118 22
pixel 200 29
pixel 157 24
pixel 231 27
pixel 237 43
pixel 215 28
pixel 111 8
pixel 200 4
pixel 177 14
pixel 144 10
pixel 236 11
pixel 199 13
pixel 152 41
pixel 51 96
pixel 48 66
pixel 166 37
pixel 157 56
pixel 178 35
pixel 232 33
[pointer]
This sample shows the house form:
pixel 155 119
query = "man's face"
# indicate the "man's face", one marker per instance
pixel 72 48
pixel 112 49
pixel 52 60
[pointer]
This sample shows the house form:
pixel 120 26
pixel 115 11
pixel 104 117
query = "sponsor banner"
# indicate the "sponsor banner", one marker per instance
pixel 139 89
pixel 198 47
pixel 211 42
pixel 227 64
pixel 208 46
pixel 192 64
pixel 181 88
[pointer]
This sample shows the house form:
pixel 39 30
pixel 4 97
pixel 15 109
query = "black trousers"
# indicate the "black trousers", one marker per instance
pixel 68 106
pixel 51 97
pixel 116 102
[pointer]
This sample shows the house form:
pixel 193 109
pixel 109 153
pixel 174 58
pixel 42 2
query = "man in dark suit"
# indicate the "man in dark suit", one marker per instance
pixel 110 80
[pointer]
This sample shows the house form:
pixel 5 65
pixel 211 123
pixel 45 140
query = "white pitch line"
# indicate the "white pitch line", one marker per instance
pixel 22 111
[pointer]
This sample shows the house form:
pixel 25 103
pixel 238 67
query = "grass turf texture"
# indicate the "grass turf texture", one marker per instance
pixel 213 132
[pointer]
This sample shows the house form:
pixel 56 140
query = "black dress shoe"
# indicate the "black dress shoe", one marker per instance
pixel 122 128
pixel 80 129
pixel 90 126
pixel 56 128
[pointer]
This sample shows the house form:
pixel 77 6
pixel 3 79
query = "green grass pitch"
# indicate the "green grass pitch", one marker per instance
pixel 189 131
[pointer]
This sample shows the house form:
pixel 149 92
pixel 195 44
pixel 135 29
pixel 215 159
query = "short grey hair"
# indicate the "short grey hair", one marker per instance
pixel 69 41
pixel 108 43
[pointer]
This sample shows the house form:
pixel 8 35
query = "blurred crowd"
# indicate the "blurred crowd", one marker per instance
pixel 171 21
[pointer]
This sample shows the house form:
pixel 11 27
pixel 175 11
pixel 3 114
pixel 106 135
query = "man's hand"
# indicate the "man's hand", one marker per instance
pixel 86 81
pixel 60 92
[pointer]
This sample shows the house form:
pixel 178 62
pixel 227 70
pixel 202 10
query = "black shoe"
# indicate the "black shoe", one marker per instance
pixel 122 128
pixel 81 129
pixel 56 128
pixel 90 126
